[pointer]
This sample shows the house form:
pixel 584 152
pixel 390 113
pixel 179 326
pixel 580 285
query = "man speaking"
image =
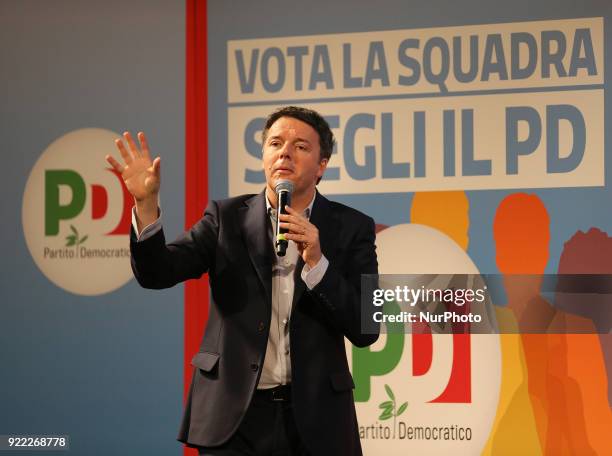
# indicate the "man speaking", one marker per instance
pixel 271 376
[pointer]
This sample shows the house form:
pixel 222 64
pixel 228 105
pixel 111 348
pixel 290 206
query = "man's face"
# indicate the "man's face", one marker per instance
pixel 292 151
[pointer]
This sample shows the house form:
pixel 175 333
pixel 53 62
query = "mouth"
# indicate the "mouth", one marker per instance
pixel 282 170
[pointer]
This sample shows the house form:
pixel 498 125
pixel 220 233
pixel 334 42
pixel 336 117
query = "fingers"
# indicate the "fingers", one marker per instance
pixel 299 229
pixel 131 144
pixel 115 164
pixel 293 228
pixel 294 217
pixel 297 224
pixel 127 158
pixel 156 166
pixel 304 234
pixel 144 145
pixel 300 238
pixel 134 152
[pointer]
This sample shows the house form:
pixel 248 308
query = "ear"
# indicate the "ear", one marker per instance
pixel 322 166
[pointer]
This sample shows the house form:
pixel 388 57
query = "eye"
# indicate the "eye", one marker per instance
pixel 301 147
pixel 274 143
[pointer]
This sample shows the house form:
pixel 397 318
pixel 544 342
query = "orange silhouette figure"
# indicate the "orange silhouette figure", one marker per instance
pixel 448 212
pixel 565 420
pixel 591 253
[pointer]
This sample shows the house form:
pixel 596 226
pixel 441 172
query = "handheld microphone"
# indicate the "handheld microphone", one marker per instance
pixel 283 189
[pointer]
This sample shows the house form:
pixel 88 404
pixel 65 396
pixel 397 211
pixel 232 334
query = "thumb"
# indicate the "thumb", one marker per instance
pixel 156 166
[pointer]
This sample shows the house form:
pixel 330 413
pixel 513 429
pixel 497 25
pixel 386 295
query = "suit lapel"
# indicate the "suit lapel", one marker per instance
pixel 255 227
pixel 323 218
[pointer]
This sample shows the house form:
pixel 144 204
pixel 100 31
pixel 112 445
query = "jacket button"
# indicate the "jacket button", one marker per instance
pixel 254 367
pixel 261 326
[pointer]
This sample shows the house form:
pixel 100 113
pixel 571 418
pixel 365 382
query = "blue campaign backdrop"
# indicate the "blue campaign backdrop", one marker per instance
pixel 107 370
pixel 570 209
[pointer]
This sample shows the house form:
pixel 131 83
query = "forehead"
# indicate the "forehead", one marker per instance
pixel 293 128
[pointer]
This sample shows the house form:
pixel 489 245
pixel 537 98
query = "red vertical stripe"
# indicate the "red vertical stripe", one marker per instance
pixel 123 227
pixel 99 201
pixel 459 387
pixel 196 171
pixel 422 349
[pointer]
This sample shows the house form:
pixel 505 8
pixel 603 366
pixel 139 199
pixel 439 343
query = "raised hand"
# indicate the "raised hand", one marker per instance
pixel 140 174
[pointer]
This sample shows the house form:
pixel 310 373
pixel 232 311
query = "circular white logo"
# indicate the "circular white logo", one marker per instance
pixel 434 394
pixel 76 214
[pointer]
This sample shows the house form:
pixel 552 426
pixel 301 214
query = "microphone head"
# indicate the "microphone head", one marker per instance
pixel 283 185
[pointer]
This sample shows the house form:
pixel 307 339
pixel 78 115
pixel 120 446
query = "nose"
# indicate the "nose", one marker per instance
pixel 286 151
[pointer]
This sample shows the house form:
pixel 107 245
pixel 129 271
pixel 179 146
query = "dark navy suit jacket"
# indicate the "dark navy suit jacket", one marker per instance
pixel 231 243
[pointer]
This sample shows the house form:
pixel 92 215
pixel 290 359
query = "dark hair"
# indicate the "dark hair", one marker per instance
pixel 312 118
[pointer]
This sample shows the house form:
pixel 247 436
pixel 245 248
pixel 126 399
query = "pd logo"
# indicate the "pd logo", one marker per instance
pixel 423 393
pixel 76 215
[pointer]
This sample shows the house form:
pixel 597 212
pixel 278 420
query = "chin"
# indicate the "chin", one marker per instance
pixel 284 175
